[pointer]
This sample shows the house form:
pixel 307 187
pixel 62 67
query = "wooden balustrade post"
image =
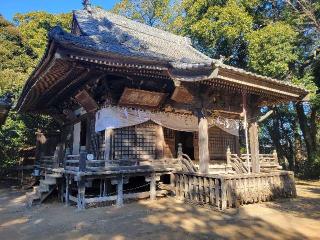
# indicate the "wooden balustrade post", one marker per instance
pixel 275 156
pixel 228 156
pixel 82 161
pixel 172 183
pixel 81 204
pixel 153 187
pixel 120 191
pixel 180 152
pixel 223 194
pixel 67 190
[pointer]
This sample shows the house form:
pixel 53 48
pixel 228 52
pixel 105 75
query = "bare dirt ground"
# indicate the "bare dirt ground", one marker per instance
pixel 163 219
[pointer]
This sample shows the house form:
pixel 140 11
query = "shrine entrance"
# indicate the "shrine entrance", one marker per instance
pixel 186 139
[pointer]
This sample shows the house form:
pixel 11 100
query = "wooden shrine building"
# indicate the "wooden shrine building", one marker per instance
pixel 137 104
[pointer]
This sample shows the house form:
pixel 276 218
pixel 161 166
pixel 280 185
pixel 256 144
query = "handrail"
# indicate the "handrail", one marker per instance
pixel 240 164
pixel 187 163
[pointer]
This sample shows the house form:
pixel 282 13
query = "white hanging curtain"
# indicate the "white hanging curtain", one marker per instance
pixel 177 122
pixel 116 117
pixel 230 126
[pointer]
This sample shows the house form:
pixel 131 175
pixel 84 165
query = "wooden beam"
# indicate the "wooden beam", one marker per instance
pixel 204 156
pixel 265 116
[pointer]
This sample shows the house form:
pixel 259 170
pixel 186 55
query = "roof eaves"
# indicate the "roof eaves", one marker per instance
pixel 219 64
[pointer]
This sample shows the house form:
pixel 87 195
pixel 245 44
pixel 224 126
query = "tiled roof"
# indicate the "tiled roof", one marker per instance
pixel 106 31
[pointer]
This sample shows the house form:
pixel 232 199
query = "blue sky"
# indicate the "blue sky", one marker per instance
pixel 8 8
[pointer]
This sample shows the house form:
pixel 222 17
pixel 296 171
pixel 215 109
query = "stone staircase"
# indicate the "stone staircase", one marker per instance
pixel 45 188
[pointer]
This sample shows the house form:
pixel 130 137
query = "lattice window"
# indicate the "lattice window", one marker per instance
pixel 124 143
pixel 219 142
pixel 138 142
pixel 168 133
pixel 145 141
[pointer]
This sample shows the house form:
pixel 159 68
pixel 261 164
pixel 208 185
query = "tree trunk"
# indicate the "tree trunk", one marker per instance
pixel 313 127
pixel 306 131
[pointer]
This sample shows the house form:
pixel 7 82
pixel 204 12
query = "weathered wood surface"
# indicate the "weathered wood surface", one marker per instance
pixel 267 162
pixel 233 190
pixel 204 157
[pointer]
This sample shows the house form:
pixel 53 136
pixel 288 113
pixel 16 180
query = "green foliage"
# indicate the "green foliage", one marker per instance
pixel 12 138
pixel 16 58
pixel 271 49
pixel 34 27
pixel 309 169
pixel 21 47
pixel 222 23
pixel 164 14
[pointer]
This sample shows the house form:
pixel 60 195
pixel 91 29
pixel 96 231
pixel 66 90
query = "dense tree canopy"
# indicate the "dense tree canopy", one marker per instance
pixel 21 46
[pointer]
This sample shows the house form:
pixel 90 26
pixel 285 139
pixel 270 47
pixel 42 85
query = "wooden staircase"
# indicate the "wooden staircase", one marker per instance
pixel 42 192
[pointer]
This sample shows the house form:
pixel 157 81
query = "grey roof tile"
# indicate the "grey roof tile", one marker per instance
pixel 130 37
pixel 104 31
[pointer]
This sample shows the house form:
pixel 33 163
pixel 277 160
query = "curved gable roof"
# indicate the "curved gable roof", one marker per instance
pixel 130 37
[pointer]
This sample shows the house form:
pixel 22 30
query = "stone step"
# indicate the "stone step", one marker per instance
pixel 47 182
pixel 43 189
pixel 31 197
pixel 50 179
pixel 54 175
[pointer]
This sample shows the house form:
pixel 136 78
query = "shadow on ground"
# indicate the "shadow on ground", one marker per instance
pixel 161 219
pixel 306 204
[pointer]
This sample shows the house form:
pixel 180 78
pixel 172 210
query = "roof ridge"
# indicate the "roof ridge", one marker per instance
pixel 126 24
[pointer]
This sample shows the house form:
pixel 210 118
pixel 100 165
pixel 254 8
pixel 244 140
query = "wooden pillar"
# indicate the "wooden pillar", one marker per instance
pixel 81 204
pixel 120 191
pixel 101 187
pixel 203 144
pixel 104 193
pixel 67 190
pixel 245 123
pixel 254 146
pixel 254 136
pixel 159 142
pixel 153 187
pixel 76 138
pixel 107 144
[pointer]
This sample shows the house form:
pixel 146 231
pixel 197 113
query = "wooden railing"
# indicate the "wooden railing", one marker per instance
pixel 237 164
pixel 268 162
pixel 80 163
pixel 233 190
